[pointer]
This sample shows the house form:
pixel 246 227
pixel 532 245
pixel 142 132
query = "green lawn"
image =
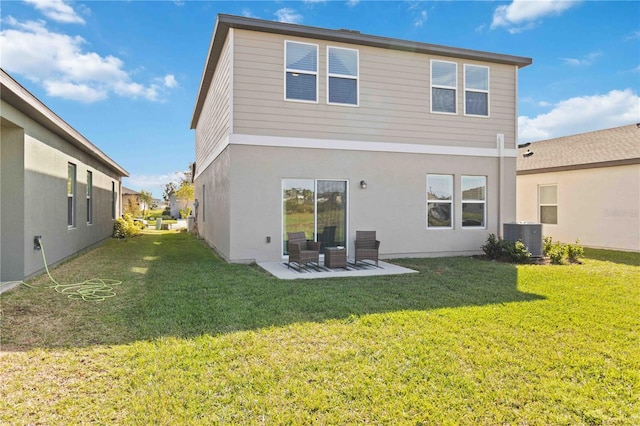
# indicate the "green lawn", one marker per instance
pixel 189 339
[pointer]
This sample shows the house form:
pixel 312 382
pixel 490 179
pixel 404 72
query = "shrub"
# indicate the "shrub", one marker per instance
pixel 125 227
pixel 560 253
pixel 513 251
pixel 184 213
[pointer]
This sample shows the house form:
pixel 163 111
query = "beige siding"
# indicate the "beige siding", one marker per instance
pixel 215 120
pixel 394 99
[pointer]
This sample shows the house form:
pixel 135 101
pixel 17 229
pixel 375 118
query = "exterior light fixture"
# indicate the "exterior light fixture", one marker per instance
pixel 363 184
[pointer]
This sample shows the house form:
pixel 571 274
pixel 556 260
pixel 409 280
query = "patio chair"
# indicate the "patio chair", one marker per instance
pixel 327 238
pixel 302 251
pixel 366 246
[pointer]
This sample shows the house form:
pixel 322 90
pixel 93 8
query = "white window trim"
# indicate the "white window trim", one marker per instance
pixel 346 77
pixel 72 195
pixel 463 201
pixel 453 185
pixel 477 91
pixel 89 197
pixel 540 204
pixel 437 86
pixel 294 70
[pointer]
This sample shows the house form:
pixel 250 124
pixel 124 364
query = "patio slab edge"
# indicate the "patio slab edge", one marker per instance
pixel 280 270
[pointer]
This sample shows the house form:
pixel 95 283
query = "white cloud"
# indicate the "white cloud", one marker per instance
pixel 247 13
pixel 153 183
pixel 585 61
pixel 522 15
pixel 57 10
pixel 582 114
pixel 421 19
pixel 352 3
pixel 288 15
pixel 60 64
pixel 170 81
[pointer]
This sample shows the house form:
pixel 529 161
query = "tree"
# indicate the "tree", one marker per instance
pixel 146 198
pixel 169 190
pixel 184 194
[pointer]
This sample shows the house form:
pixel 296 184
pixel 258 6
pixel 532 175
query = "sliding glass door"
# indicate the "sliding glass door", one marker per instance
pixel 316 207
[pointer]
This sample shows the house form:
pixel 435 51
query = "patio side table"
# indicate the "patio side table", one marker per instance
pixel 335 257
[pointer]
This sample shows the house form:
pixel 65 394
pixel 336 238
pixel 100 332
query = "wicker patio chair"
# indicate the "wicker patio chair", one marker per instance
pixel 366 246
pixel 302 251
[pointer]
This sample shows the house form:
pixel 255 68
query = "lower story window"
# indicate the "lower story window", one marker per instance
pixel 474 190
pixel 440 201
pixel 548 202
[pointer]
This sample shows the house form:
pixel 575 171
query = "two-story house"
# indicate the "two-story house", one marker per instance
pixel 325 131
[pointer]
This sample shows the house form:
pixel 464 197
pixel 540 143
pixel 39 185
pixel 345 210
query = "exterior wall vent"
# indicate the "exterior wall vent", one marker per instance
pixel 529 233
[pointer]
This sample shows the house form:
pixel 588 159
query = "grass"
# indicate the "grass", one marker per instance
pixel 189 339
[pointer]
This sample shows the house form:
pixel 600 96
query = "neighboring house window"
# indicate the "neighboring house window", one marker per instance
pixel 89 197
pixel 204 202
pixel 476 90
pixel 113 200
pixel 301 63
pixel 474 196
pixel 71 192
pixel 548 196
pixel 440 201
pixel 342 76
pixel 443 86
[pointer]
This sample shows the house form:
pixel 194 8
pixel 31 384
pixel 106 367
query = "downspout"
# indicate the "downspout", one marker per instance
pixel 500 144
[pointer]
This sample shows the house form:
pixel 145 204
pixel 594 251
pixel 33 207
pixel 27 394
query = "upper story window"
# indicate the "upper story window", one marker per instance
pixel 476 90
pixel 440 201
pixel 444 86
pixel 301 69
pixel 342 76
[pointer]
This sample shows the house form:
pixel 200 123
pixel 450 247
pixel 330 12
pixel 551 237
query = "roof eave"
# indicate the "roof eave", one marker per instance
pixel 16 95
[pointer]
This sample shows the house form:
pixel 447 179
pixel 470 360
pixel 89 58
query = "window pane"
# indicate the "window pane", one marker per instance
pixel 477 103
pixel 476 77
pixel 71 179
pixel 342 61
pixel 343 91
pixel 70 211
pixel 439 187
pixel 301 86
pixel 332 213
pixel 444 100
pixel 302 57
pixel 443 73
pixel 298 199
pixel 473 214
pixel 549 194
pixel 439 215
pixel 549 214
pixel 473 188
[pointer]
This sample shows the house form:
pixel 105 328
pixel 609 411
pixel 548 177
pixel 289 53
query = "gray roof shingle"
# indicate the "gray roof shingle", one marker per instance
pixel 616 146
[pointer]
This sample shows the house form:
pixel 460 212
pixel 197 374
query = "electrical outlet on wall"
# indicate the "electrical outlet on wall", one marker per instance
pixel 36 242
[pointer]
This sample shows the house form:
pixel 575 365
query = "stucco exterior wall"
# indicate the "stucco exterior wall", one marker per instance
pixel 599 206
pixel 394 203
pixel 212 189
pixel 394 103
pixel 42 169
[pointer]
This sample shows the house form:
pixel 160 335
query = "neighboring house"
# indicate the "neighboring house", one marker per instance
pixel 131 200
pixel 332 131
pixel 585 187
pixel 54 183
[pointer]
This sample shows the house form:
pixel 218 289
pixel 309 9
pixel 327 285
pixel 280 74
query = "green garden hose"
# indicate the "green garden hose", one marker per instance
pixel 95 289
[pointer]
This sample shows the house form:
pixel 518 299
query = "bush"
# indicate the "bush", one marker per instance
pixel 560 253
pixel 512 251
pixel 125 227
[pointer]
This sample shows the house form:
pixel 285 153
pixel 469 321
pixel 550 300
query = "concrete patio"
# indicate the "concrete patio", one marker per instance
pixel 280 270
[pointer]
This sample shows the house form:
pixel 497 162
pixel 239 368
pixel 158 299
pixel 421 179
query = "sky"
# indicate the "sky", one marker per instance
pixel 126 74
